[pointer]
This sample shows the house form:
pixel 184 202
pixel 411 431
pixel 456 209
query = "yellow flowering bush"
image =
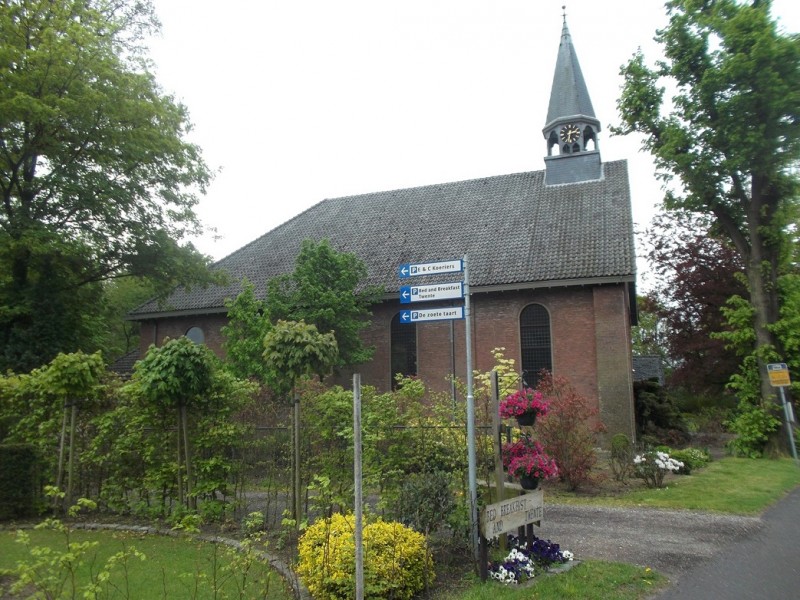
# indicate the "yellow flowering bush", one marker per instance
pixel 397 563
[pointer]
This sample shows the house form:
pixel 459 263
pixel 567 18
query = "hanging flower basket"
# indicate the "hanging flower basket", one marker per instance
pixel 527 461
pixel 524 405
pixel 527 419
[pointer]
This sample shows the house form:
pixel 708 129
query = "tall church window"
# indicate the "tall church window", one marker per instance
pixel 403 348
pixel 534 326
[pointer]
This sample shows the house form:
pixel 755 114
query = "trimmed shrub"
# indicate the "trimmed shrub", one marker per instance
pixel 397 563
pixel 425 501
pixel 621 458
pixel 20 481
pixel 692 459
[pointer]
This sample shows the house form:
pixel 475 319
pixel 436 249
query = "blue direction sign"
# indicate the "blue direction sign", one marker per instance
pixel 432 314
pixel 432 268
pixel 425 293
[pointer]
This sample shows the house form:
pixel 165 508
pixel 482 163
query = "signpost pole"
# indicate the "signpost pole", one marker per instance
pixel 473 477
pixel 779 378
pixel 358 534
pixel 787 413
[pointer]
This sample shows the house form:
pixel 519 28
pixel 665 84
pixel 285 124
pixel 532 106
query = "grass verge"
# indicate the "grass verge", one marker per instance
pixel 590 580
pixel 731 485
pixel 174 567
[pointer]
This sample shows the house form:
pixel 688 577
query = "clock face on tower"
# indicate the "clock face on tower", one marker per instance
pixel 570 133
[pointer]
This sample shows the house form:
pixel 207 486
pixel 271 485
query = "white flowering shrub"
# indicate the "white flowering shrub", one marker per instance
pixel 652 466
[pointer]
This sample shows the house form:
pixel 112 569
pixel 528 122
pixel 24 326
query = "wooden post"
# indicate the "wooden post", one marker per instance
pixel 483 569
pixel 497 427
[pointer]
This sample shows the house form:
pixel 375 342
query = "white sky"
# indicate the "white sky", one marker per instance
pixel 295 101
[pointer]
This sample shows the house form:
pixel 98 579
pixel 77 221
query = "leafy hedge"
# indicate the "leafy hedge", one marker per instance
pixel 20 481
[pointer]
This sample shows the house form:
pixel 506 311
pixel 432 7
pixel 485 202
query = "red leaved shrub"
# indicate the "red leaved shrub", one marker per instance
pixel 569 431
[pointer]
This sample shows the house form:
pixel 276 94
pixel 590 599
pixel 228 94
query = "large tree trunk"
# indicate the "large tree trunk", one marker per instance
pixel 762 276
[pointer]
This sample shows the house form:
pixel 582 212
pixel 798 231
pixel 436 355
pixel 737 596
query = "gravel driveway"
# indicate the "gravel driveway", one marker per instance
pixel 668 541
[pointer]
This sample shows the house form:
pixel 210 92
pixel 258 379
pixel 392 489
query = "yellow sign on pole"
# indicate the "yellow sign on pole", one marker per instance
pixel 778 374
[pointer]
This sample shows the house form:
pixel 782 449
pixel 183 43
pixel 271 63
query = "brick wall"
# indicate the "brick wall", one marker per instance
pixel 590 336
pixel 156 331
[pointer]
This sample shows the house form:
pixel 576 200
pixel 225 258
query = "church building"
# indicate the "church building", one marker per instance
pixel 550 254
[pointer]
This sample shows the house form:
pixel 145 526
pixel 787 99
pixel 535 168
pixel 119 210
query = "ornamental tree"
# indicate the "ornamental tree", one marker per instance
pixel 730 137
pixel 244 334
pixel 177 376
pixel 97 180
pixel 696 273
pixel 326 290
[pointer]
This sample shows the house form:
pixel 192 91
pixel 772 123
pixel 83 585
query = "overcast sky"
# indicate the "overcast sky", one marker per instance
pixel 296 101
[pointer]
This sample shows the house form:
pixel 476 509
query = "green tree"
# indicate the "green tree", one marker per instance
pixel 50 407
pixel 730 134
pixel 177 376
pixel 647 337
pixel 115 336
pixel 74 378
pixel 326 290
pixel 96 178
pixel 294 349
pixel 244 335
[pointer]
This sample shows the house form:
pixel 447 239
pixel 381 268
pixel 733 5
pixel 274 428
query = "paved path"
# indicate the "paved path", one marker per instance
pixel 669 541
pixel 765 565
pixel 704 555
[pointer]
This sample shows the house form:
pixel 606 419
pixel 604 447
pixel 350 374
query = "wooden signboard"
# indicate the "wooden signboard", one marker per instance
pixel 508 515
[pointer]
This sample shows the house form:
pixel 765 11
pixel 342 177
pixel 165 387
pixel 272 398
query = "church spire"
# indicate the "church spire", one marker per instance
pixel 571 126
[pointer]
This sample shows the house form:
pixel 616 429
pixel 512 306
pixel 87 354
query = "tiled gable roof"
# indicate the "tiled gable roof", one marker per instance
pixel 517 232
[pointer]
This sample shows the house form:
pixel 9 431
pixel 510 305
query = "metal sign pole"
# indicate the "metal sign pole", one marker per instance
pixel 359 536
pixel 473 477
pixel 779 378
pixel 787 413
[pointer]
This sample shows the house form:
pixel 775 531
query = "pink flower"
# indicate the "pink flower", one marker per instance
pixel 527 457
pixel 522 402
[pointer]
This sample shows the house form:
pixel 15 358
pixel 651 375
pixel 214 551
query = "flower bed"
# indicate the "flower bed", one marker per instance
pixel 524 561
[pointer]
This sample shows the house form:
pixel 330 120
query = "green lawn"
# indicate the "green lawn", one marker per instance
pixel 731 485
pixel 591 580
pixel 182 568
pixel 174 567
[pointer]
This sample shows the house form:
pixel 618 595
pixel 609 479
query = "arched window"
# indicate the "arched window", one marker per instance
pixel 534 329
pixel 196 335
pixel 404 348
pixel 589 139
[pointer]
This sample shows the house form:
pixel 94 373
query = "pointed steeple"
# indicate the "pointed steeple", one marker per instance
pixel 571 126
pixel 569 98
